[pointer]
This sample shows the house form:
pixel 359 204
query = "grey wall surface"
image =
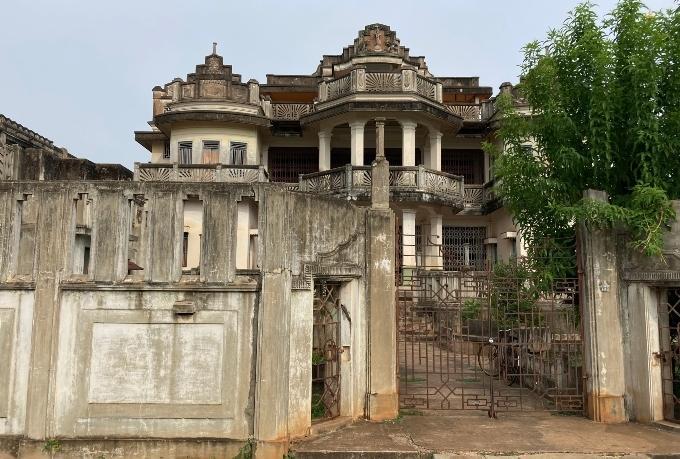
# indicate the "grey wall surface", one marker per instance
pixel 222 354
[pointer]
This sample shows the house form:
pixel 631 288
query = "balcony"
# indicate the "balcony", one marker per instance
pixel 412 183
pixel 359 81
pixel 154 172
pixel 480 199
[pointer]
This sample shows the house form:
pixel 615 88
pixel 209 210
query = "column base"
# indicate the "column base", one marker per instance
pixel 383 407
pixel 271 449
pixel 608 409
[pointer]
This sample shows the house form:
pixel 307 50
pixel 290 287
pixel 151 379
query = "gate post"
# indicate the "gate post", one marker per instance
pixel 382 397
pixel 602 322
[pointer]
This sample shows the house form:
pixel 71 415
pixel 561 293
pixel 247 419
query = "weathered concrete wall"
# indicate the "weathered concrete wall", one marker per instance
pixel 621 295
pixel 156 353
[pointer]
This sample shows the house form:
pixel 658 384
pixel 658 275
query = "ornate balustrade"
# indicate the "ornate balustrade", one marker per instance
pixel 153 172
pixel 413 182
pixel 480 197
pixel 467 111
pixel 361 81
pixel 290 111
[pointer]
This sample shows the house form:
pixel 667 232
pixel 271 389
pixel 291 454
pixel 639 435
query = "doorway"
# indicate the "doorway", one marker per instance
pixel 669 352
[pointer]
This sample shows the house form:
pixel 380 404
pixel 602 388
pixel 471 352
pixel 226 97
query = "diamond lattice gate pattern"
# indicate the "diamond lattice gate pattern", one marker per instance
pixel 492 341
pixel 669 340
pixel 325 352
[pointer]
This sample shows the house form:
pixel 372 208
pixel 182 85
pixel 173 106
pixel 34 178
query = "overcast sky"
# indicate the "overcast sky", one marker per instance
pixel 80 72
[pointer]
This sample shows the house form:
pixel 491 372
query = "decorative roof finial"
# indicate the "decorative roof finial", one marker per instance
pixel 214 48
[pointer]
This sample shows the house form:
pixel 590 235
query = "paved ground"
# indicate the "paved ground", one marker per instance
pixel 541 435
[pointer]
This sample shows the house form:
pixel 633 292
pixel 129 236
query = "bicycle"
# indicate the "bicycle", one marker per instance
pixel 500 360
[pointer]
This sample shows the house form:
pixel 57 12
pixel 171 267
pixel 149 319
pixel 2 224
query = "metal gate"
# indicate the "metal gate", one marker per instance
pixel 325 351
pixel 669 355
pixel 488 340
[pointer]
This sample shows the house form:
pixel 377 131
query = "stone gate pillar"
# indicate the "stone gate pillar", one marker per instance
pixel 382 397
pixel 602 323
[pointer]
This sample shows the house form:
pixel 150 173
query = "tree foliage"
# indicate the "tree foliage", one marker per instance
pixel 602 111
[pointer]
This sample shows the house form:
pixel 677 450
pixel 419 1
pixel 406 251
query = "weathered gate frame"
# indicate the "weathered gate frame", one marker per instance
pixel 669 352
pixel 440 367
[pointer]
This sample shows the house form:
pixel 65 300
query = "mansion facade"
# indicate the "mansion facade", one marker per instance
pixel 317 133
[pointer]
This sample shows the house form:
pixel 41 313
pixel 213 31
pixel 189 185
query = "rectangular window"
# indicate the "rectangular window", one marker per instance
pixel 468 163
pixel 463 246
pixel 185 248
pixel 27 234
pixel 138 215
pixel 82 234
pixel 166 150
pixel 185 152
pixel 237 152
pixel 211 152
pixel 287 163
pixel 192 234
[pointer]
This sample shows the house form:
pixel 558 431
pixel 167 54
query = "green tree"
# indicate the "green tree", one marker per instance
pixel 601 110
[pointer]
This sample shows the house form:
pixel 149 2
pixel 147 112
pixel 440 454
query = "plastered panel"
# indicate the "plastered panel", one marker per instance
pixel 156 363
pixel 128 366
pixel 16 315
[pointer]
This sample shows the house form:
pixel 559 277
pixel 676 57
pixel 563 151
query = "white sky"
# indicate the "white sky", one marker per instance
pixel 80 72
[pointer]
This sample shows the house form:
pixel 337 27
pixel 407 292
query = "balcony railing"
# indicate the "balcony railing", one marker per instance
pixel 361 81
pixel 469 112
pixel 356 181
pixel 287 112
pixel 477 197
pixel 154 172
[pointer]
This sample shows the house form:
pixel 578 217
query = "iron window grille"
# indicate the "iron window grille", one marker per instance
pixel 468 163
pixel 166 150
pixel 463 247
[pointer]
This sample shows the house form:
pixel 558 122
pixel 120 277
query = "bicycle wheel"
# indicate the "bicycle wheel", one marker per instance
pixel 487 359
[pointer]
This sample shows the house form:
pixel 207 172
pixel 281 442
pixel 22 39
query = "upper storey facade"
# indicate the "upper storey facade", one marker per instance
pixel 317 131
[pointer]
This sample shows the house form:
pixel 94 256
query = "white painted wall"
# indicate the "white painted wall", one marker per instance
pixel 223 133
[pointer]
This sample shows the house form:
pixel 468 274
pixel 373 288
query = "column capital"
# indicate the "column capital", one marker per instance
pixel 357 124
pixel 408 124
pixel 435 135
pixel 325 134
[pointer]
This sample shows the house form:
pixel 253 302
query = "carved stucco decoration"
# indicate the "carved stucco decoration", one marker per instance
pixel 377 38
pixel 327 264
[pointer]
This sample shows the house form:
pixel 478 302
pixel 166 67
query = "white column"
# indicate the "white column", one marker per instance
pixel 408 238
pixel 356 129
pixel 435 157
pixel 434 244
pixel 408 144
pixel 324 150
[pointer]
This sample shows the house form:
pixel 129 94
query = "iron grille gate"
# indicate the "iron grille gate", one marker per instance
pixel 492 341
pixel 325 351
pixel 669 340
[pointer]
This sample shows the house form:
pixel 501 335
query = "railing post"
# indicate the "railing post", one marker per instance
pixel 174 176
pixel 261 176
pixel 439 90
pixel 358 79
pixel 302 186
pixel 323 91
pixel 349 178
pixel 135 177
pixel 420 180
pixel 408 80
